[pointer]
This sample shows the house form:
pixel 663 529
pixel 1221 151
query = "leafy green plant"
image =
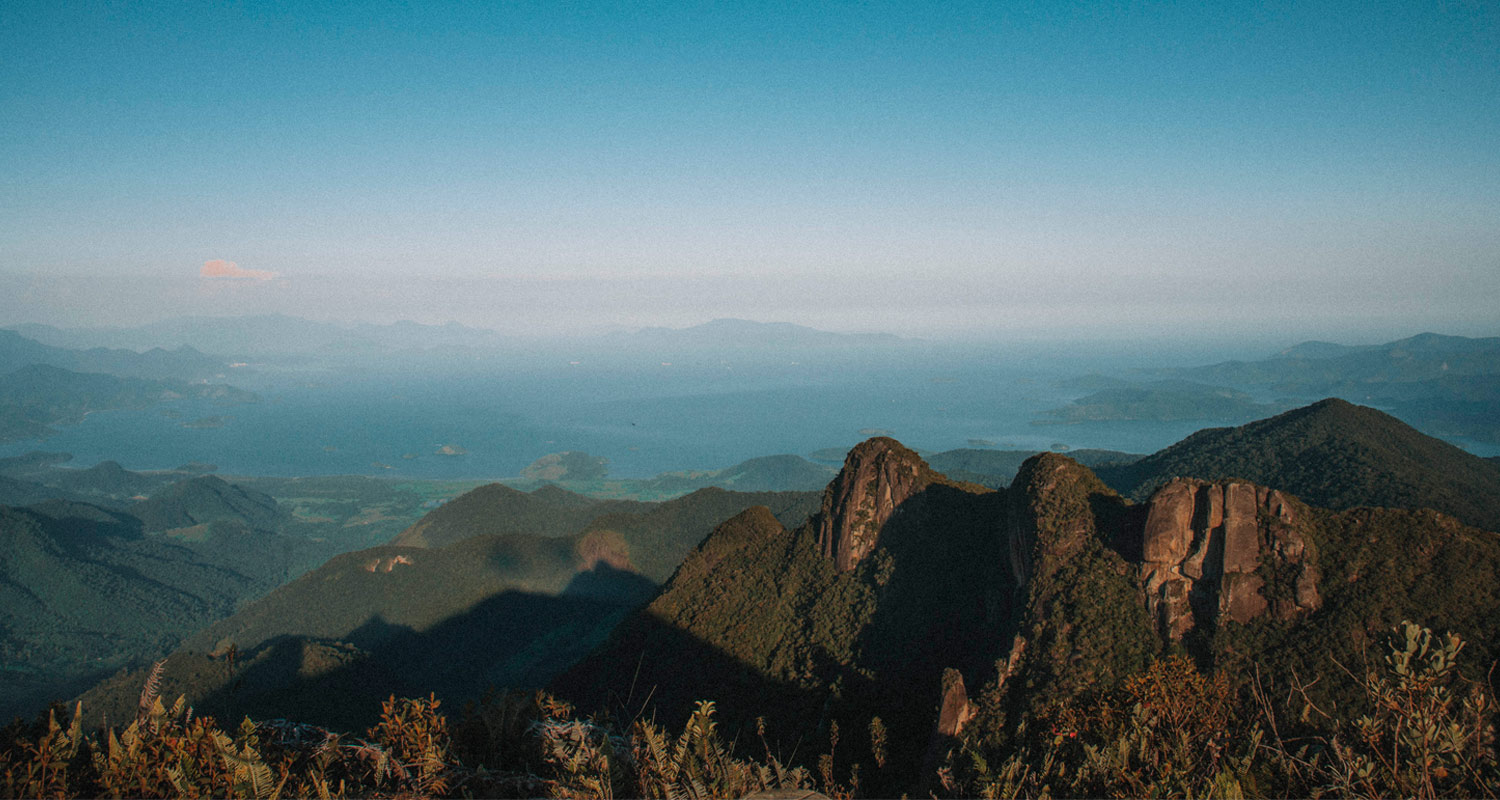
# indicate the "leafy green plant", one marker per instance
pixel 1431 734
pixel 1170 731
pixel 698 764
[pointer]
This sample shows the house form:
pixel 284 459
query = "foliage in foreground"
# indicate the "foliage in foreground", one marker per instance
pixel 1174 732
pixel 1168 731
pixel 511 745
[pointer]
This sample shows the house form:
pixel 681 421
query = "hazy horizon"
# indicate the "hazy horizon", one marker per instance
pixel 1029 170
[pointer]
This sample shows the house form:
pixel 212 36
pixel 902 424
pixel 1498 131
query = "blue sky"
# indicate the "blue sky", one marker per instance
pixel 932 168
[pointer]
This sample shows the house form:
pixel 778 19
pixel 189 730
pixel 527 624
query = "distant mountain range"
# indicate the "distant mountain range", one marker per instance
pixel 997 468
pixel 763 474
pixel 183 363
pixel 1444 385
pixel 733 334
pixel 268 335
pixel 275 335
pixel 35 398
pixel 42 386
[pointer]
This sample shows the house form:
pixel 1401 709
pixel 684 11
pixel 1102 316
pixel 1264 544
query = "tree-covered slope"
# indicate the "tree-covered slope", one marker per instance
pixel 204 500
pixel 997 468
pixel 1333 454
pixel 509 609
pixel 498 509
pixel 765 474
pixel 82 589
pixel 855 614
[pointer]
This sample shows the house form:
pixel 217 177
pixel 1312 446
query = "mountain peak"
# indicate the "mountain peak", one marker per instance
pixel 879 474
pixel 1334 454
pixel 1051 517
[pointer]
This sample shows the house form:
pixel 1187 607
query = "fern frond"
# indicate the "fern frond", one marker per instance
pixel 73 739
pixel 150 691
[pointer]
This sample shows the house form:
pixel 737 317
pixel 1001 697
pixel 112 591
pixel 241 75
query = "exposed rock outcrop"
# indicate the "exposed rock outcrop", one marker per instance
pixel 878 476
pixel 388 563
pixel 955 710
pixel 1207 550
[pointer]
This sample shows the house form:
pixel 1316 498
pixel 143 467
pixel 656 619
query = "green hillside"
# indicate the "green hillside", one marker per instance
pixel 997 468
pixel 510 609
pixel 1050 580
pixel 207 499
pixel 497 509
pixel 1333 454
pixel 779 473
pixel 82 589
pixel 1161 401
pixel 1444 385
pixel 759 619
pixel 914 635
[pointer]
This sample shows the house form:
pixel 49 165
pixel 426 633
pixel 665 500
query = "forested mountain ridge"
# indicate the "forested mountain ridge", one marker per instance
pixel 1333 454
pixel 944 625
pixel 907 580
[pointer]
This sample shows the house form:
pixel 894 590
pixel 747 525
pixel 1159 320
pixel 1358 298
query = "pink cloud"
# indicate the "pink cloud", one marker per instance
pixel 218 268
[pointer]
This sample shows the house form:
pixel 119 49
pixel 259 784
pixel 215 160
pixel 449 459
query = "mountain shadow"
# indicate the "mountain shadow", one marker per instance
pixel 513 640
pixel 855 614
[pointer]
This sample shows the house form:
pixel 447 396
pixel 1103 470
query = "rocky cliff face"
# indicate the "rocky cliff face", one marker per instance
pixel 878 476
pixel 1207 550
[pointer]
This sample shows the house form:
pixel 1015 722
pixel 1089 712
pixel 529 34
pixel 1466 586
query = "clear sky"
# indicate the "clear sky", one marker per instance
pixel 1021 168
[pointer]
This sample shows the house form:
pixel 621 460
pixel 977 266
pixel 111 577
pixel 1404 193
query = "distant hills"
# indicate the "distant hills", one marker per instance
pixel 737 334
pixel 267 335
pixel 279 335
pixel 34 398
pixel 497 509
pixel 205 500
pixel 1324 368
pixel 764 474
pixel 589 474
pixel 1442 385
pixel 997 468
pixel 1162 401
pixel 42 386
pixel 183 363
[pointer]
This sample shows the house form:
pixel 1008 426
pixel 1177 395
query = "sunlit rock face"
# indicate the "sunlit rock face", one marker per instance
pixel 1208 549
pixel 878 476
